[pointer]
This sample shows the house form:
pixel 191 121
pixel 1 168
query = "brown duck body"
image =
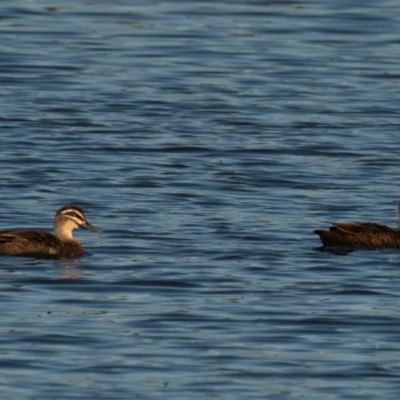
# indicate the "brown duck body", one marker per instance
pixel 367 236
pixel 38 243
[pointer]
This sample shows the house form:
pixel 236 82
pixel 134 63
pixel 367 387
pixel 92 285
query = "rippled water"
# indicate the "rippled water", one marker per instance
pixel 208 140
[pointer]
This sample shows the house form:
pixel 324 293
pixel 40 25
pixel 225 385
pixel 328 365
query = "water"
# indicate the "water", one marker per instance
pixel 208 140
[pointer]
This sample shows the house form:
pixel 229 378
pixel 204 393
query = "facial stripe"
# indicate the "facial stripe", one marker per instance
pixel 75 215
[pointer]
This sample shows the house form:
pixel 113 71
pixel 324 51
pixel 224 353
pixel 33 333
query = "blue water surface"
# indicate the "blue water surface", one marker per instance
pixel 208 140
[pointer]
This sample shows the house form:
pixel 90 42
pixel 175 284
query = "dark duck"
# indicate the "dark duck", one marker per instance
pixel 62 244
pixel 361 235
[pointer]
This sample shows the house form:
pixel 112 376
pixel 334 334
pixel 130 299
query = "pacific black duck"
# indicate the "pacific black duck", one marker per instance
pixel 359 235
pixel 62 244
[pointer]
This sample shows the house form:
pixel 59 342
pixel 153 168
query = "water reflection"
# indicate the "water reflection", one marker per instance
pixel 340 251
pixel 67 270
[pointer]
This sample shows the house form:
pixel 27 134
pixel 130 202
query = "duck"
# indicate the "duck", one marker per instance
pixel 38 243
pixel 361 235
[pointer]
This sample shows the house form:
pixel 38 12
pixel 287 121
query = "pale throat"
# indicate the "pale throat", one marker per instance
pixel 64 231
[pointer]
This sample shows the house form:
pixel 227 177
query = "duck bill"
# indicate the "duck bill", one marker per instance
pixel 91 227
